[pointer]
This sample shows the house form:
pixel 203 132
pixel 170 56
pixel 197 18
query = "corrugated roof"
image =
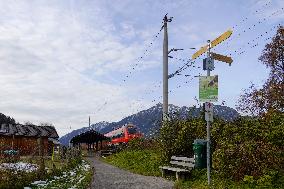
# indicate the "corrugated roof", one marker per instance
pixel 21 130
pixel 28 130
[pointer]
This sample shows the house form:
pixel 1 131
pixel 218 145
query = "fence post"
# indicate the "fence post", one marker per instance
pixel 41 154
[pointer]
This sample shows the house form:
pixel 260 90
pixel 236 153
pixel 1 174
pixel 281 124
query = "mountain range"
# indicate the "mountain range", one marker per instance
pixel 148 121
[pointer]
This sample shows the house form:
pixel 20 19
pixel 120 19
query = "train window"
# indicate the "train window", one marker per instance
pixel 132 130
pixel 118 135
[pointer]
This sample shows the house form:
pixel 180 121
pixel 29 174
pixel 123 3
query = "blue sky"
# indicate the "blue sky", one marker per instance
pixel 62 61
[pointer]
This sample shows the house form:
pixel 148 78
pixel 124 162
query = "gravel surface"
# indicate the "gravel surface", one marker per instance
pixel 109 177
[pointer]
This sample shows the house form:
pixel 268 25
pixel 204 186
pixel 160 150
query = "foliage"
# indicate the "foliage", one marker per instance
pixel 176 136
pixel 6 119
pixel 198 180
pixel 73 162
pixel 144 161
pixel 247 153
pixel 79 177
pixel 19 179
pixel 249 147
pixel 10 179
pixel 246 146
pixel 141 143
pixel 269 98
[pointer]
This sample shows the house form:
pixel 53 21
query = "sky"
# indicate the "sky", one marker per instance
pixel 63 61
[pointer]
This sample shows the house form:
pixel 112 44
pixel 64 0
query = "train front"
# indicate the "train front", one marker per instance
pixel 132 132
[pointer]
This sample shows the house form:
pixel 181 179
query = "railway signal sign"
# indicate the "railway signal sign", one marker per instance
pixel 221 38
pixel 199 52
pixel 222 58
pixel 215 42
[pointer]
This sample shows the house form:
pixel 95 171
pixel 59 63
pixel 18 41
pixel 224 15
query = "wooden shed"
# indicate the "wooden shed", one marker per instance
pixel 25 138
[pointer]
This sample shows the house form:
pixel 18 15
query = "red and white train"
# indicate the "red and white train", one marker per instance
pixel 124 134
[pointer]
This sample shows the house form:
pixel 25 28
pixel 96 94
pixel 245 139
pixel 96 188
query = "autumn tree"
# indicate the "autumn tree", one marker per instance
pixel 269 98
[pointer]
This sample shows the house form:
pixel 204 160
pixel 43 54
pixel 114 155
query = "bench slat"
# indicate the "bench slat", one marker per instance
pixel 182 159
pixel 191 165
pixel 174 169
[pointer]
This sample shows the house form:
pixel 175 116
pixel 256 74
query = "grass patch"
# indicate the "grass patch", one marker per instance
pixel 59 173
pixel 12 180
pixel 58 163
pixel 145 162
pixel 198 180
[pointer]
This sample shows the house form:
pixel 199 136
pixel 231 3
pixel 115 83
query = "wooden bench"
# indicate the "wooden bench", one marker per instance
pixel 180 165
pixel 105 153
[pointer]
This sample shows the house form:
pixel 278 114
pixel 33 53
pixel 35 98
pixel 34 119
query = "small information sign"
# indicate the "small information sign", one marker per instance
pixel 208 88
pixel 209 116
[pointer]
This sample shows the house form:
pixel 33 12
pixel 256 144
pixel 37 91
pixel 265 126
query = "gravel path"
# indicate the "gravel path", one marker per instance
pixel 109 177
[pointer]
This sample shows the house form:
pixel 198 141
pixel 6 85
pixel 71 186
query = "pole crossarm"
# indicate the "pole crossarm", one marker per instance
pixel 173 49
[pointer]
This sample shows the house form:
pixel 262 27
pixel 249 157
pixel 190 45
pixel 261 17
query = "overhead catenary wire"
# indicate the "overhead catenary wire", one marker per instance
pixel 252 26
pixel 185 66
pixel 182 68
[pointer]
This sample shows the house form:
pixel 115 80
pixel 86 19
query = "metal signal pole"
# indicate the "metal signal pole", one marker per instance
pixel 208 64
pixel 165 70
pixel 208 129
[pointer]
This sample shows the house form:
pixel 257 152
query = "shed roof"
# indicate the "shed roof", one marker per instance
pixel 90 136
pixel 28 130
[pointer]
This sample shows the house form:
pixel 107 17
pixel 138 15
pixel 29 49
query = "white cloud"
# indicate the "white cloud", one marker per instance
pixel 45 48
pixel 62 60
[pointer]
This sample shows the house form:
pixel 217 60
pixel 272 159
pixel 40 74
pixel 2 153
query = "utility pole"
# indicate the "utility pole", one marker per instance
pixel 165 70
pixel 89 121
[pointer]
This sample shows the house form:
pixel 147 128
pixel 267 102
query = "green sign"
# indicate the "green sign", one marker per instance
pixel 208 88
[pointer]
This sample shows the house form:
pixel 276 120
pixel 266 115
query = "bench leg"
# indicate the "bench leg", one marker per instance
pixel 163 172
pixel 183 176
pixel 177 176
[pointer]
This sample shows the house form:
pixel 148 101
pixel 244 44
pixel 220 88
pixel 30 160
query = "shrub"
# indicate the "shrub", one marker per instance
pixel 16 180
pixel 247 146
pixel 177 136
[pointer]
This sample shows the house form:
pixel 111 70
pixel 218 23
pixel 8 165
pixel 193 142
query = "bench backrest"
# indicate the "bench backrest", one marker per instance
pixel 182 161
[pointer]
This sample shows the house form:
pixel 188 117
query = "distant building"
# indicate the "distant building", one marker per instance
pixel 25 138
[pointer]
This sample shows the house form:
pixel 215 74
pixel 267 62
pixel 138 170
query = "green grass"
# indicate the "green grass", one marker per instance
pixel 145 162
pixel 198 180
